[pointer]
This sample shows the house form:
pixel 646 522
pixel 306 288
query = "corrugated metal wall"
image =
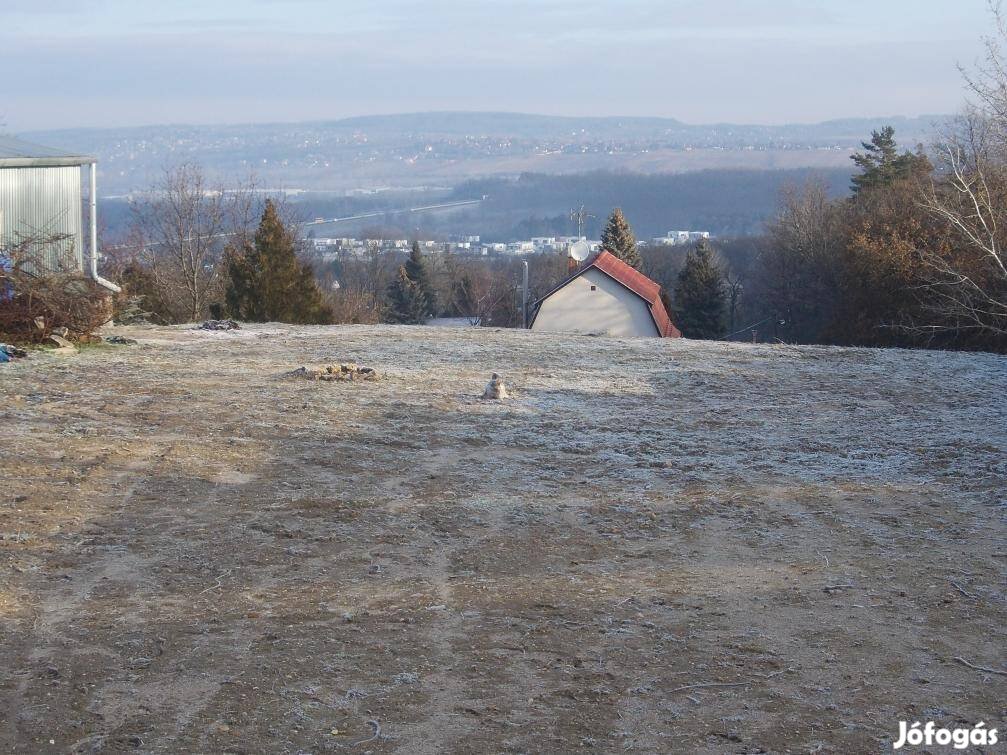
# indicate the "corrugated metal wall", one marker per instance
pixel 42 203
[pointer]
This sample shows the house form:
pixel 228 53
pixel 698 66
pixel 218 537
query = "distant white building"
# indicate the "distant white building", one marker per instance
pixel 675 238
pixel 521 247
pixel 324 244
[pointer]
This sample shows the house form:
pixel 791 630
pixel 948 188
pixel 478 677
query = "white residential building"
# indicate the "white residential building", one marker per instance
pixel 605 297
pixel 675 238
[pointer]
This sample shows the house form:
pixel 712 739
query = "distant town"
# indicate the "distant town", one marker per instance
pixel 329 248
pixel 424 149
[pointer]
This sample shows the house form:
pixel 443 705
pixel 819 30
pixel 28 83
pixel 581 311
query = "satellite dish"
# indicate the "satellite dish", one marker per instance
pixel 579 250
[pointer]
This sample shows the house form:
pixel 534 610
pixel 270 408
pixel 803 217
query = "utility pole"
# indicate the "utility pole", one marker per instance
pixel 524 295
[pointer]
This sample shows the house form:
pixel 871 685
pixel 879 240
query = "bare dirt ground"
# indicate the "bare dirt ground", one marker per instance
pixel 651 547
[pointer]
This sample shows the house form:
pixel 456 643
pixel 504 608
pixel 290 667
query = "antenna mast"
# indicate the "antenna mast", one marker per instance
pixel 580 216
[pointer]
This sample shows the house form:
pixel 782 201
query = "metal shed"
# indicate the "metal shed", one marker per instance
pixel 41 198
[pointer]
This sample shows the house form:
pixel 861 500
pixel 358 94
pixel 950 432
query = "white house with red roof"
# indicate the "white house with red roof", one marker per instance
pixel 605 297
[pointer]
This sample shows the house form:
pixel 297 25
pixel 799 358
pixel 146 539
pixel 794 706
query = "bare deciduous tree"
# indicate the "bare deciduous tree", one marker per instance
pixel 181 227
pixel 479 293
pixel 42 290
pixel 967 289
pixel 797 275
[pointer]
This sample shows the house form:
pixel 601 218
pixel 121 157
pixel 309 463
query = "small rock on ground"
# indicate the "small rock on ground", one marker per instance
pixel 495 388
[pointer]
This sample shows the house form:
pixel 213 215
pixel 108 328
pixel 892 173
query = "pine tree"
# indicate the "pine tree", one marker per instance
pixel 266 281
pixel 881 164
pixel 406 303
pixel 700 295
pixel 618 238
pixel 419 273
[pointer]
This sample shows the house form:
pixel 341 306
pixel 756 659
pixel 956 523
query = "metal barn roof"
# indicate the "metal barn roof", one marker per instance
pixel 16 153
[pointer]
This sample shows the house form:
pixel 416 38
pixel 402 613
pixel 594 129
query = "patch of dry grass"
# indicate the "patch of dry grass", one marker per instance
pixel 204 556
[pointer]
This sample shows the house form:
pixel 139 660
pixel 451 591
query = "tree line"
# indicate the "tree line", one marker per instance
pixel 728 201
pixel 911 256
pixel 197 251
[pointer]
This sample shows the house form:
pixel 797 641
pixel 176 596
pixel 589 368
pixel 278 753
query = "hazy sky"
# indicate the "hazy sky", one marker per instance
pixel 68 63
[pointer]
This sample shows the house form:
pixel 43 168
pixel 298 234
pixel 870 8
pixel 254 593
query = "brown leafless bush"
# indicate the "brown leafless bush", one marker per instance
pixel 42 290
pixel 354 307
pixel 484 294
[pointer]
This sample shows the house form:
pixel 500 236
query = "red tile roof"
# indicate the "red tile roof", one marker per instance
pixel 627 275
pixel 636 282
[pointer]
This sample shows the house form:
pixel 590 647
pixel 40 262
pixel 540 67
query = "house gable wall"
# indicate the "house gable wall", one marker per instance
pixel 610 310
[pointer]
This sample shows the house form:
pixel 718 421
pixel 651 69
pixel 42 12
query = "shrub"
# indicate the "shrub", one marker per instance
pixel 42 290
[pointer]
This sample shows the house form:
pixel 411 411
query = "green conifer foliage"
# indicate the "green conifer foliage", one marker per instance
pixel 700 294
pixel 419 273
pixel 618 238
pixel 406 303
pixel 268 283
pixel 881 165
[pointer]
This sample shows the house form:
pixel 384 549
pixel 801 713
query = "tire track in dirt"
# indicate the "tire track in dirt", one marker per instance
pixel 54 610
pixel 443 728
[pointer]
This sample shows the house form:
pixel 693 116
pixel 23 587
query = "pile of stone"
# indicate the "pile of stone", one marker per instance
pixel 331 372
pixel 219 325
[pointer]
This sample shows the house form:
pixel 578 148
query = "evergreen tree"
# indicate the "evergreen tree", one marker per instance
pixel 419 273
pixel 881 165
pixel 266 281
pixel 700 294
pixel 406 303
pixel 618 238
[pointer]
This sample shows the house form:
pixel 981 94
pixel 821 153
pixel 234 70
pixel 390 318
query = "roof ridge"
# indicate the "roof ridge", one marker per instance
pixel 16 152
pixel 627 275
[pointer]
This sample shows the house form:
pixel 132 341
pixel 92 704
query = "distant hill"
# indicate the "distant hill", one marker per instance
pixel 443 149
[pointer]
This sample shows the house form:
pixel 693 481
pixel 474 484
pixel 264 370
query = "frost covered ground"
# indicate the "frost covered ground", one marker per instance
pixel 652 546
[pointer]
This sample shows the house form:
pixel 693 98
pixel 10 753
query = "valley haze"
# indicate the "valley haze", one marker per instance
pixel 444 148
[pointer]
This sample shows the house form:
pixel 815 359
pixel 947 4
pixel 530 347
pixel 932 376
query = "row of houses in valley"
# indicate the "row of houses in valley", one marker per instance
pixel 328 247
pixel 331 247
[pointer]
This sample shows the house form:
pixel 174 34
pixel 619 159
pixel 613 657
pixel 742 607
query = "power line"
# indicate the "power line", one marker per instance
pixel 749 327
